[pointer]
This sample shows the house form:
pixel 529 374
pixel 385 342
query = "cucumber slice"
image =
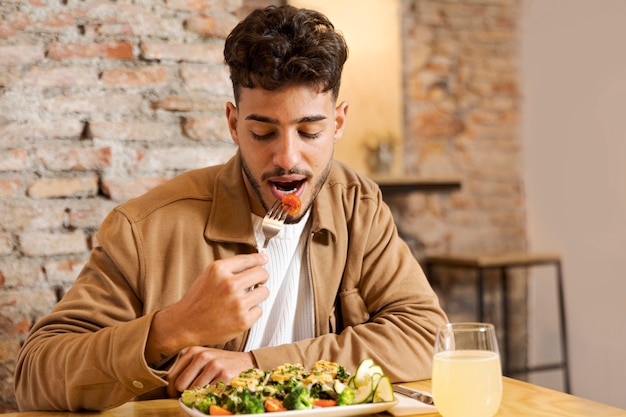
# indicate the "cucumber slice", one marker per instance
pixel 339 386
pixel 376 380
pixel 363 394
pixel 375 369
pixel 362 376
pixel 383 391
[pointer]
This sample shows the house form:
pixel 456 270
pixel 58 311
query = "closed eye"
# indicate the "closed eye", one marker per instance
pixel 310 135
pixel 266 136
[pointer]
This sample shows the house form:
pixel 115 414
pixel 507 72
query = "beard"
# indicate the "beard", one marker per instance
pixel 306 205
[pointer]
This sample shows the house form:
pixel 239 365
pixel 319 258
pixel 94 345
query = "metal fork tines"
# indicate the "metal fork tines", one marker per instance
pixel 273 222
pixel 415 394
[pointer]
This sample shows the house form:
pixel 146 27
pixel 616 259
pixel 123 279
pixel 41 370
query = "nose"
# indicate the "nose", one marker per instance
pixel 287 151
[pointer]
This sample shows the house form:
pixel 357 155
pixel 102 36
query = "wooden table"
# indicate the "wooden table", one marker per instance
pixel 519 399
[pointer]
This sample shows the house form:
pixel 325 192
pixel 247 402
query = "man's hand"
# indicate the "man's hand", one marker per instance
pixel 199 366
pixel 222 303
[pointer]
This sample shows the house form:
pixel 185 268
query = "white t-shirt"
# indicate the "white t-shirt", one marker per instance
pixel 288 311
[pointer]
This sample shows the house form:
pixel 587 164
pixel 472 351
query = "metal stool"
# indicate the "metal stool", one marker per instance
pixel 503 262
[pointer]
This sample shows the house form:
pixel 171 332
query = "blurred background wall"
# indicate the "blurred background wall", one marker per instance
pixel 574 140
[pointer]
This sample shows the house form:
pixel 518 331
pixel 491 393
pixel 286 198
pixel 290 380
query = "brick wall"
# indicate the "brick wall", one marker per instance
pixel 102 100
pixel 462 117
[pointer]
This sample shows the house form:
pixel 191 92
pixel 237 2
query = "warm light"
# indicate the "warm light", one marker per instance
pixel 372 77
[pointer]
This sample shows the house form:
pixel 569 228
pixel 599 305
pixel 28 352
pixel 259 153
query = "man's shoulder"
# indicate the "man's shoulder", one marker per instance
pixel 343 178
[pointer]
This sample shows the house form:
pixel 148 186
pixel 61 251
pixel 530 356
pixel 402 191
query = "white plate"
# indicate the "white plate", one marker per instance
pixel 339 411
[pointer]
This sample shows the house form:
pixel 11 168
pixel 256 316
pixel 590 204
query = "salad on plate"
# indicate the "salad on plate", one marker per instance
pixel 292 387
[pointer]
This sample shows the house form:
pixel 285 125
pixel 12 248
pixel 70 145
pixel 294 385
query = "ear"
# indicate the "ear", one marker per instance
pixel 341 111
pixel 232 117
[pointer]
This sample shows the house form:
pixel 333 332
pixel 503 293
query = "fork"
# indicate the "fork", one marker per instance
pixel 415 394
pixel 273 222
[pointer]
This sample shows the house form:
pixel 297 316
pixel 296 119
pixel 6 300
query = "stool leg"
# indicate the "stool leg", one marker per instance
pixel 559 277
pixel 481 289
pixel 505 319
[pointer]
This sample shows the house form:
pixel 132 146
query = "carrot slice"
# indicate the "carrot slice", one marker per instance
pixel 292 204
pixel 216 410
pixel 273 404
pixel 324 403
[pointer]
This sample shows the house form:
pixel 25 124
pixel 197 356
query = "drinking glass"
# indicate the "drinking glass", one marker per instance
pixel 467 376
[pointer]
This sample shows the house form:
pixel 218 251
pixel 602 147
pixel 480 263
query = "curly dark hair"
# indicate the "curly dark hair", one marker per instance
pixel 280 46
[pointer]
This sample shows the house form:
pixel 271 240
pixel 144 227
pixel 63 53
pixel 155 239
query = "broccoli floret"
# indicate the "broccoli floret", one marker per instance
pixel 298 399
pixel 322 391
pixel 346 397
pixel 204 404
pixel 244 402
pixel 342 374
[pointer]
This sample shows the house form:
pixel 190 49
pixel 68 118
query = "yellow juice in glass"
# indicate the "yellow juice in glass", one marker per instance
pixel 467 383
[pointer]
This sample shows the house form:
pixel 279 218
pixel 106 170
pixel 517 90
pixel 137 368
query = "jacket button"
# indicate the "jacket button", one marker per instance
pixel 138 384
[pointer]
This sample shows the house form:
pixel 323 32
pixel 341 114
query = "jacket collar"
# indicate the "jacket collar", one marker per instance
pixel 230 220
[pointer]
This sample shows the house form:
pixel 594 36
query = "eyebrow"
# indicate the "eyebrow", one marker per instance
pixel 265 119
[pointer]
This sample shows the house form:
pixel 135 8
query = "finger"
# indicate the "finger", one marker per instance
pixel 257 294
pixel 207 376
pixel 241 263
pixel 199 368
pixel 253 278
pixel 179 366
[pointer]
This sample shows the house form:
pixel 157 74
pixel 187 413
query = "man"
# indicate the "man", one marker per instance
pixel 177 293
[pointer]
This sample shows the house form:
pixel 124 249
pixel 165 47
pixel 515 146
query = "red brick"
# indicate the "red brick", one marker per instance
pixel 109 50
pixel 61 77
pixel 50 243
pixel 113 29
pixel 64 270
pixel 22 274
pixel 89 213
pixel 6 30
pixel 19 21
pixel 9 350
pixel 86 186
pixel 20 54
pixel 218 25
pixel 32 303
pixel 144 131
pixel 188 5
pixel 13 160
pixel 184 158
pixel 21 328
pixel 209 78
pixel 175 104
pixel 94 103
pixel 109 18
pixel 6 247
pixel 74 159
pixel 205 128
pixel 26 214
pixel 135 77
pixel 437 124
pixel 193 103
pixel 56 22
pixel 183 51
pixel 122 189
pixel 8 188
pixel 67 128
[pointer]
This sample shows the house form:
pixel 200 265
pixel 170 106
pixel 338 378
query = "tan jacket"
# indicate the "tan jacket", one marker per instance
pixel 371 297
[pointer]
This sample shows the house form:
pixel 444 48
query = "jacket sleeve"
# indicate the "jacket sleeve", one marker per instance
pixel 386 309
pixel 89 352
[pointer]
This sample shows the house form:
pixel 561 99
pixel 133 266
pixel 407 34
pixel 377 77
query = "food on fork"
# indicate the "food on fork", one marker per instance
pixel 292 204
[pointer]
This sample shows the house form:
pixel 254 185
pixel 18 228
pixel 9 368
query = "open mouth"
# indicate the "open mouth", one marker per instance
pixel 287 187
pixel 280 188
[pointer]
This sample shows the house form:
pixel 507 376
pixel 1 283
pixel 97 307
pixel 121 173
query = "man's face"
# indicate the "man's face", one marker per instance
pixel 286 138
